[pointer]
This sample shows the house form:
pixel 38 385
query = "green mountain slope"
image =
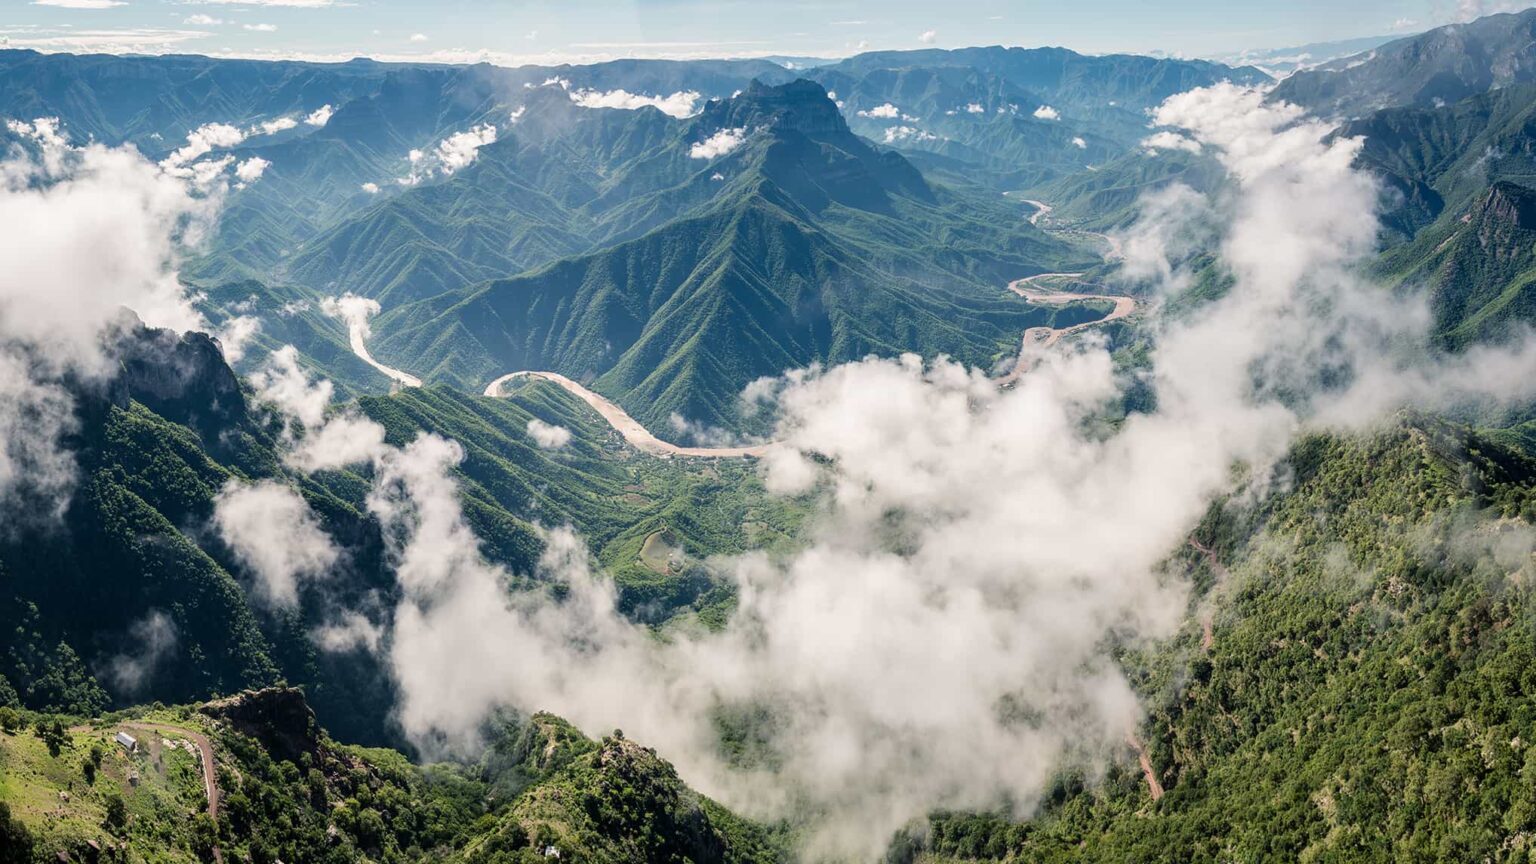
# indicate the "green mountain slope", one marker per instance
pixel 287 791
pixel 1365 695
pixel 1444 65
pixel 1479 269
pixel 813 247
pixel 974 107
pixel 136 543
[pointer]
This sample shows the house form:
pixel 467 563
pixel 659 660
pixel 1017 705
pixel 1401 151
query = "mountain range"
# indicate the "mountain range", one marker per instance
pixel 1352 675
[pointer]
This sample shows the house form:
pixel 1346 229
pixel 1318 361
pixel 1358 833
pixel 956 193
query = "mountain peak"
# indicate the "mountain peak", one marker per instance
pixel 802 106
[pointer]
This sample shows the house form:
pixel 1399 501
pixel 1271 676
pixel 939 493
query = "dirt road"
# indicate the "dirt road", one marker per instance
pixel 205 754
pixel 638 436
pixel 1154 788
pixel 1207 622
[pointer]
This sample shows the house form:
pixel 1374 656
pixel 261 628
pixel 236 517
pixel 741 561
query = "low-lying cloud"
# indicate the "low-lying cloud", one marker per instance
pixel 450 155
pixel 272 532
pixel 547 435
pixel 717 145
pixel 945 638
pixel 683 103
pixel 101 228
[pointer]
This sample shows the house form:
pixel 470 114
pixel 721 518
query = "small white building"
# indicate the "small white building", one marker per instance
pixel 127 741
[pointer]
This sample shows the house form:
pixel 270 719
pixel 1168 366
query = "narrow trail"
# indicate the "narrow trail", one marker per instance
pixel 1037 339
pixel 637 435
pixel 1154 787
pixel 1207 622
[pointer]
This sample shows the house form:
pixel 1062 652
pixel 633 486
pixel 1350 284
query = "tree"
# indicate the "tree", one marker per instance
pixel 53 734
pixel 15 839
pixel 117 814
pixel 10 720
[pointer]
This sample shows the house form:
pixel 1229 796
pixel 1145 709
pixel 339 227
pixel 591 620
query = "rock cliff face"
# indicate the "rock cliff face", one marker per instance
pixel 1484 283
pixel 277 717
pixel 1502 216
pixel 180 376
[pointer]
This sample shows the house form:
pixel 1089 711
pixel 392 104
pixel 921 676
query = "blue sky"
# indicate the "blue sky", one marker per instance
pixel 518 31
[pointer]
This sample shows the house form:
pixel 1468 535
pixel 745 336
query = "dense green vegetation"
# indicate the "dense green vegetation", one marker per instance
pixel 1363 692
pixel 813 247
pixel 1366 696
pixel 136 541
pixel 288 792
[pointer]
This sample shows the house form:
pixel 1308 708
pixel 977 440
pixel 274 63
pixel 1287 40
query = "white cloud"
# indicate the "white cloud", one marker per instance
pixel 251 169
pixel 272 127
pixel 80 4
pixel 110 41
pixel 201 141
pixel 718 144
pixel 974 108
pixel 897 134
pixel 547 436
pixel 351 632
pixel 680 104
pixel 88 230
pixel 1168 140
pixel 236 334
pixel 284 383
pixel 201 20
pixel 259 28
pixel 370 188
pixel 928 37
pixel 320 116
pixel 352 309
pixel 272 532
pixel 459 150
pixel 450 155
pixel 1046 112
pixel 882 112
pixel 979 547
pixel 152 639
pixel 418 37
pixel 347 439
pixel 1079 143
pixel 293 4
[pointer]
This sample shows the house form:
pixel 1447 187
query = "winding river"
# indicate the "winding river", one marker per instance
pixel 1036 339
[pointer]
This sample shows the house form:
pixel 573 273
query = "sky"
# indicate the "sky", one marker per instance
pixel 511 32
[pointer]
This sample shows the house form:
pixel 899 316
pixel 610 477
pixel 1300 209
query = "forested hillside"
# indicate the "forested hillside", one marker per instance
pixel 1360 690
pixel 284 790
pixel 986 454
pixel 135 597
